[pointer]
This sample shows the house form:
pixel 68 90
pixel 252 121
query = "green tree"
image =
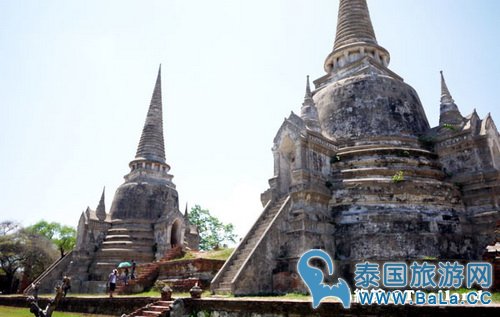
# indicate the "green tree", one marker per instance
pixel 11 257
pixel 38 254
pixel 213 233
pixel 22 252
pixel 64 237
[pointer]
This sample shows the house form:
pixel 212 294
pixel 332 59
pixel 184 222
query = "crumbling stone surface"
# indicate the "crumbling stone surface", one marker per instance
pixel 374 182
pixel 369 105
pixel 143 201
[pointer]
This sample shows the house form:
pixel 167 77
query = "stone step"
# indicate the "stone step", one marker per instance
pixel 149 240
pixel 247 249
pixel 132 236
pixel 121 257
pixel 141 243
pixel 131 222
pixel 131 227
pixel 228 277
pixel 118 250
pixel 242 256
pixel 123 230
pixel 121 243
pixel 118 236
pixel 273 211
pixel 231 273
pixel 260 230
pixel 116 261
pixel 227 280
pixel 234 266
pixel 139 257
pixel 238 262
pixel 159 308
pixel 151 313
pixel 251 242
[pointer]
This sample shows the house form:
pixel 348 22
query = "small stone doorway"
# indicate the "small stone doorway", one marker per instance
pixel 286 164
pixel 175 236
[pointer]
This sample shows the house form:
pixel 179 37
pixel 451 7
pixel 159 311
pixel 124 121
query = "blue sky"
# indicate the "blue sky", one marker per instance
pixel 76 78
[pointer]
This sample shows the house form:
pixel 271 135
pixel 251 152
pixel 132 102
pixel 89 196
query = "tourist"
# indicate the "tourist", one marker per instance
pixel 132 274
pixel 36 288
pixel 66 285
pixel 112 282
pixel 125 277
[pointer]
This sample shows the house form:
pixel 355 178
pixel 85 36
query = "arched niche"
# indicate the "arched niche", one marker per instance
pixel 175 234
pixel 287 156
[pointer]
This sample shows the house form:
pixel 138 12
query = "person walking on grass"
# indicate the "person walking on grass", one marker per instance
pixel 66 285
pixel 112 282
pixel 35 287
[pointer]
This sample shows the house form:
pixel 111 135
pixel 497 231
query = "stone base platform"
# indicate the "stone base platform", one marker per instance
pixel 257 307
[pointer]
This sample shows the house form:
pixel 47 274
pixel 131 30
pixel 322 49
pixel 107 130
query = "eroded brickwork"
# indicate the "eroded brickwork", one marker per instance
pixel 361 174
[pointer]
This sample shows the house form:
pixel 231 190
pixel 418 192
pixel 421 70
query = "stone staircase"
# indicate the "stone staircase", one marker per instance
pixel 125 240
pixel 156 309
pixel 173 253
pixel 146 274
pixel 224 279
pixel 53 271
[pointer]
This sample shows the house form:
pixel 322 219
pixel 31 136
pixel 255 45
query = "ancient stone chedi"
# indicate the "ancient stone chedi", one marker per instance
pixel 360 174
pixel 144 221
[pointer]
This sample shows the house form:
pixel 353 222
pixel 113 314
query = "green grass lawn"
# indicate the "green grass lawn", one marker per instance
pixel 6 311
pixel 153 293
pixel 220 254
pixel 495 296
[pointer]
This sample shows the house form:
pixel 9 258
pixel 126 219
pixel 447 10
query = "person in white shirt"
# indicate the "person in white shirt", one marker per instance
pixel 112 282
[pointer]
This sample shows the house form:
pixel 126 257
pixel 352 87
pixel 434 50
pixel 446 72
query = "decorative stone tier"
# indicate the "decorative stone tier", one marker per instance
pixel 126 240
pixel 391 203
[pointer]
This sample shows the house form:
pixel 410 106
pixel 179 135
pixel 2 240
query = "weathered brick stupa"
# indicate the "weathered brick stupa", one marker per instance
pixel 144 221
pixel 360 174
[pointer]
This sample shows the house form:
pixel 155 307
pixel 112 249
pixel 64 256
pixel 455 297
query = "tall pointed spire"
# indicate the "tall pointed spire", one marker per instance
pixel 449 112
pixel 151 145
pixel 308 112
pixel 355 37
pixel 308 95
pixel 354 24
pixel 445 93
pixel 101 207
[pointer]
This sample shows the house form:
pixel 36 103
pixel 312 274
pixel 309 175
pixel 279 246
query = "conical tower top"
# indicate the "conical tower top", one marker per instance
pixel 308 112
pixel 355 37
pixel 308 94
pixel 101 207
pixel 151 145
pixel 445 93
pixel 449 112
pixel 354 24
